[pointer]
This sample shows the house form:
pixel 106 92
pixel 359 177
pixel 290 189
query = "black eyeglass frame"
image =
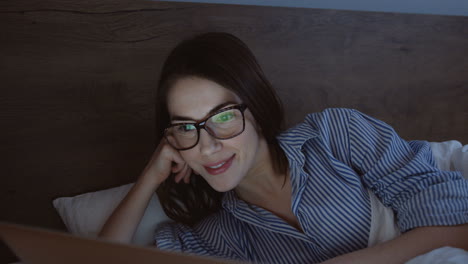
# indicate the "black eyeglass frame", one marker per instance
pixel 201 125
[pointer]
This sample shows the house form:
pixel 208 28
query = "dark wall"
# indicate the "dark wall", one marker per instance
pixel 78 80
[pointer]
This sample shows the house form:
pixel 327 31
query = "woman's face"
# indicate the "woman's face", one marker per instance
pixel 222 163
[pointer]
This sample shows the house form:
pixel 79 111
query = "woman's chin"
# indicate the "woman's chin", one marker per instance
pixel 221 183
pixel 222 187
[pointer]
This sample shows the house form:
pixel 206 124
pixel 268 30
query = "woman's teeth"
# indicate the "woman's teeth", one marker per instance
pixel 217 166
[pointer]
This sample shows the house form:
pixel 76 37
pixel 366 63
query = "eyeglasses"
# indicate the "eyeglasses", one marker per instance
pixel 226 123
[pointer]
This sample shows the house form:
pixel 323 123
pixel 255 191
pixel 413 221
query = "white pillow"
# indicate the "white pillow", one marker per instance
pixel 443 255
pixel 451 155
pixel 460 160
pixel 85 214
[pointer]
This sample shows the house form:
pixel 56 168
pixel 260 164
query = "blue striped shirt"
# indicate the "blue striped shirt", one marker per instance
pixel 334 157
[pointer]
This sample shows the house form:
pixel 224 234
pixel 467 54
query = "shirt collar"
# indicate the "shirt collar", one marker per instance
pixel 230 201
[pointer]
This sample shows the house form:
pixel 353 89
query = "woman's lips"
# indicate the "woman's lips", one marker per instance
pixel 219 167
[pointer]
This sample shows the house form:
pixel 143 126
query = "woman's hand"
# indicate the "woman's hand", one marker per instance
pixel 164 161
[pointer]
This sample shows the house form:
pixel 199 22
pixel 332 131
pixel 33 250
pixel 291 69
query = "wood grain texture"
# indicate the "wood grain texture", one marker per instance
pixel 78 81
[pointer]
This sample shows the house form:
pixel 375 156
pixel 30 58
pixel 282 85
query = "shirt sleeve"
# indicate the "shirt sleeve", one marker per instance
pixel 203 239
pixel 404 176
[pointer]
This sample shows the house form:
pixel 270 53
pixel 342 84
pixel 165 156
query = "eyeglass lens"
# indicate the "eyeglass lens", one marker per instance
pixel 223 125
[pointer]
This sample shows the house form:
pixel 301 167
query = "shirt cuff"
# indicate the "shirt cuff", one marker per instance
pixel 443 204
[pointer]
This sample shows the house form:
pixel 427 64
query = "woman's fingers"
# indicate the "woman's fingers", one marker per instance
pixel 177 167
pixel 165 160
pixel 177 157
pixel 187 175
pixel 184 174
pixel 181 173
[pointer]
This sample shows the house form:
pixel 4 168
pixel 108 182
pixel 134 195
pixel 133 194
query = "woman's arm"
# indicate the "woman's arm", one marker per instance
pixel 409 245
pixel 404 176
pixel 430 205
pixel 123 222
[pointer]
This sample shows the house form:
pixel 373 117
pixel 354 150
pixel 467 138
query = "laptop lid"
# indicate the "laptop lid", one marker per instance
pixel 37 245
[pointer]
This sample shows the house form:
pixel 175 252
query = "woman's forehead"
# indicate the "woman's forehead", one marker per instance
pixel 196 97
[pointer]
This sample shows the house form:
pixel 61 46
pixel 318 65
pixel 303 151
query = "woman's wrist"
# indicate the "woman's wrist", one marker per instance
pixel 148 181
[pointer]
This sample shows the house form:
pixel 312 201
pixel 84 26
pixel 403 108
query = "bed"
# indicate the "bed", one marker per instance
pixel 78 83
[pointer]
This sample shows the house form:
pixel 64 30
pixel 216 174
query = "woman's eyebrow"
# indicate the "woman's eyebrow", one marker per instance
pixel 213 110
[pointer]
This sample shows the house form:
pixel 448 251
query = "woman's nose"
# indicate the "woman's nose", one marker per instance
pixel 208 144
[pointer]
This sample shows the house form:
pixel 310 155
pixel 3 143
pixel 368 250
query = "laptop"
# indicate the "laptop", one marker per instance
pixel 37 245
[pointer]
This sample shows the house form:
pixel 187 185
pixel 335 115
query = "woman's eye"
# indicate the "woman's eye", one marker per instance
pixel 186 128
pixel 223 117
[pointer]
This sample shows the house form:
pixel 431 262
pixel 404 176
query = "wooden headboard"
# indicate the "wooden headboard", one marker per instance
pixel 78 80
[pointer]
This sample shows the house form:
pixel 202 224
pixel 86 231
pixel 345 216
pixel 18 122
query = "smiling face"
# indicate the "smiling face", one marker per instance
pixel 222 163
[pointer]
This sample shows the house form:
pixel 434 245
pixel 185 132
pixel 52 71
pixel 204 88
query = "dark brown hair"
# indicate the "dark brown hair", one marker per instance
pixel 226 60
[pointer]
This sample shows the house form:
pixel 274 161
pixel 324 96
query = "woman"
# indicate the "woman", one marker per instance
pixel 239 188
